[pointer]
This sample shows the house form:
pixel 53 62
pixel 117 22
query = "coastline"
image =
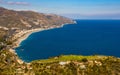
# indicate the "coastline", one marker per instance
pixel 27 33
pixel 21 36
pixel 24 36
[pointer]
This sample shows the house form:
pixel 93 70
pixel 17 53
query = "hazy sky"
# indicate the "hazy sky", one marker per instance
pixel 83 9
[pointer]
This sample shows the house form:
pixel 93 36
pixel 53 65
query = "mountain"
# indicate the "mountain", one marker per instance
pixel 12 21
pixel 29 19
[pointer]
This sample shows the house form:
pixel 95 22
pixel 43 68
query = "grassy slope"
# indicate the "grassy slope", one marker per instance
pixel 77 65
pixel 69 58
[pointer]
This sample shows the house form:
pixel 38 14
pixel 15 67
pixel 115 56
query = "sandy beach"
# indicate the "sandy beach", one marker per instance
pixel 23 35
pixel 20 37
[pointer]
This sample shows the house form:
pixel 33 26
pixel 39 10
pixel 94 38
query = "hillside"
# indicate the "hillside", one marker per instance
pixel 60 65
pixel 77 65
pixel 29 19
pixel 13 22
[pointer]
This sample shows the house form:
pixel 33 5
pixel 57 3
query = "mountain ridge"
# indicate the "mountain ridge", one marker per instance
pixel 12 21
pixel 27 19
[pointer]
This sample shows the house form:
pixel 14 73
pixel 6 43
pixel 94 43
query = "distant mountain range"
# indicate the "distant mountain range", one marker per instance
pixel 29 19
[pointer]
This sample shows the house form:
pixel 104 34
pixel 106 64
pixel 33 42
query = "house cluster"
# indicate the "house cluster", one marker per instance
pixel 5 28
pixel 82 65
pixel 24 70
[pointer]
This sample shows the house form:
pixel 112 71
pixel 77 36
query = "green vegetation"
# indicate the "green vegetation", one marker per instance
pixel 10 64
pixel 60 65
pixel 69 58
pixel 77 65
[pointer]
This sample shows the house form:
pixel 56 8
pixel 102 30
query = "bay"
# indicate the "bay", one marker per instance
pixel 87 37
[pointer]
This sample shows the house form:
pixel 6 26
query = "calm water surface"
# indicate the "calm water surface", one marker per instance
pixel 87 37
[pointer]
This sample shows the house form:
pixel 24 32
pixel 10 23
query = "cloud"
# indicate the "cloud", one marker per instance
pixel 18 3
pixel 14 3
pixel 96 16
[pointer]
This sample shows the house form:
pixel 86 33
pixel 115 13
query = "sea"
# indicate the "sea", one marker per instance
pixel 86 37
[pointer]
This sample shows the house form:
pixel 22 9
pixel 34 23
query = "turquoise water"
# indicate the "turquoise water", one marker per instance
pixel 87 37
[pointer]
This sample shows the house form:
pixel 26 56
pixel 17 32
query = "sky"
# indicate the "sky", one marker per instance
pixel 77 9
